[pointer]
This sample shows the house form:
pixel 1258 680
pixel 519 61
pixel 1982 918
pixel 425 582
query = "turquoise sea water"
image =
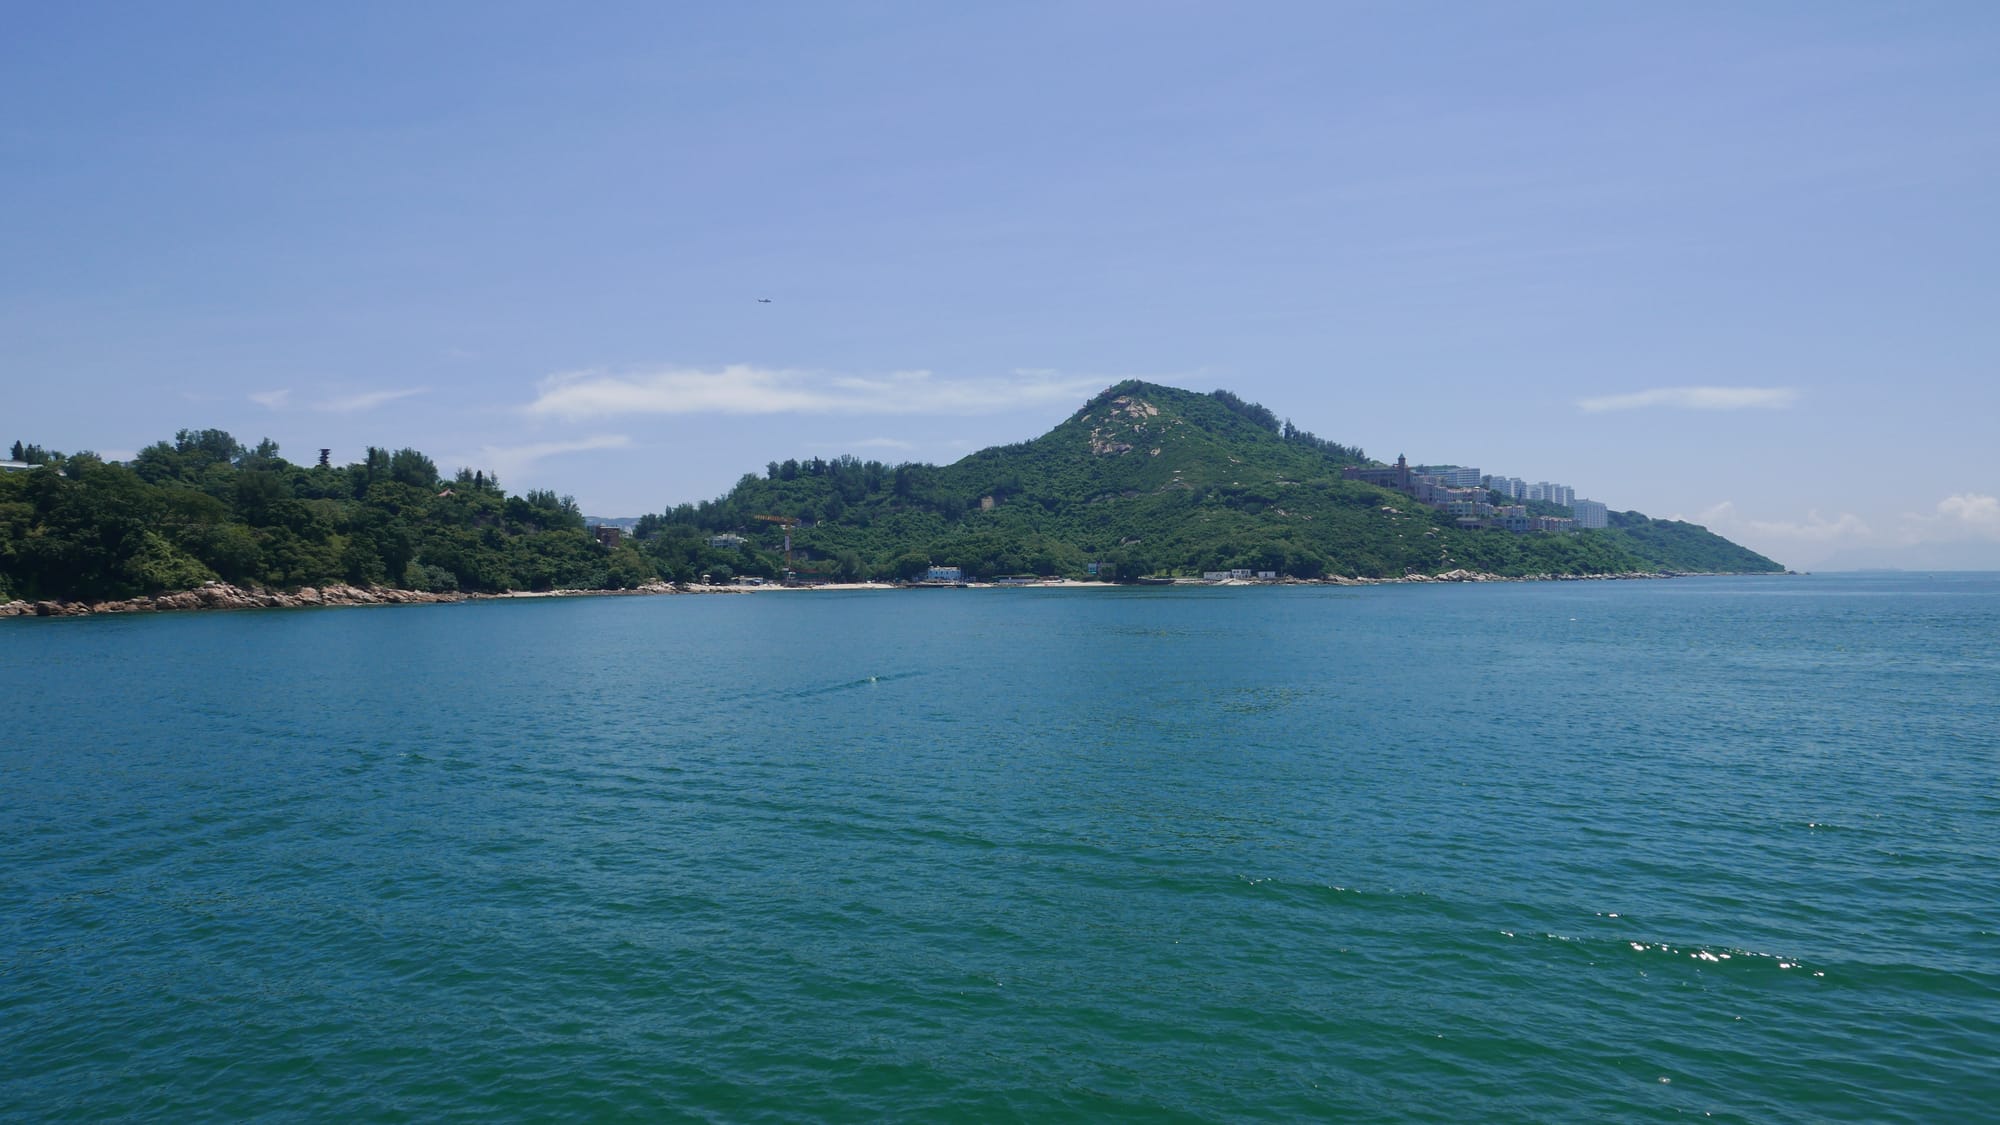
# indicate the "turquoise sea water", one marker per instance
pixel 1576 851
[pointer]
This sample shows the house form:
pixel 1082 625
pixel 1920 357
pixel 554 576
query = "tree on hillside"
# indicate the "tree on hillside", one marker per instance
pixel 478 480
pixel 407 466
pixel 1254 411
pixel 207 447
pixel 265 456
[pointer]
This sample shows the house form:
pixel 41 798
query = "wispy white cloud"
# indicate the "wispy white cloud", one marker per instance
pixel 508 460
pixel 368 400
pixel 1970 509
pixel 281 399
pixel 1725 519
pixel 1695 398
pixel 881 443
pixel 746 389
pixel 1968 515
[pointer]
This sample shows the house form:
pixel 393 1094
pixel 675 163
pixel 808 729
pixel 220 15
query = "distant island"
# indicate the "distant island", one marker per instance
pixel 1142 481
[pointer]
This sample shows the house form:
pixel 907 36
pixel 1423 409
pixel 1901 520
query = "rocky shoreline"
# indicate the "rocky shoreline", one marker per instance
pixel 1481 576
pixel 221 595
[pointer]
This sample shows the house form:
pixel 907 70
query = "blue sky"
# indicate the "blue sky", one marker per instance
pixel 1731 262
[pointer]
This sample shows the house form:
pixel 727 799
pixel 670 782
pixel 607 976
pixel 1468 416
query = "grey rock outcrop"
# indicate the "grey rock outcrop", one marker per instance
pixel 221 595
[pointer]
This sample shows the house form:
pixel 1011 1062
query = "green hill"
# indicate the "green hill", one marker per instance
pixel 1146 479
pixel 1685 547
pixel 1143 479
pixel 205 508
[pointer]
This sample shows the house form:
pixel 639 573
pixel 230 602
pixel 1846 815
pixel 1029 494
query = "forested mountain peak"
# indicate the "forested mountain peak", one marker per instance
pixel 1151 419
pixel 1145 478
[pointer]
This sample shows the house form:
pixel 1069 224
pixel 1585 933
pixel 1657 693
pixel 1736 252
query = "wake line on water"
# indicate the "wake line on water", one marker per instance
pixel 1598 948
pixel 1729 957
pixel 851 685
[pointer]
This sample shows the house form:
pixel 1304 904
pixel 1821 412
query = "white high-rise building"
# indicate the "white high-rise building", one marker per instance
pixel 1552 493
pixel 1591 513
pixel 1451 476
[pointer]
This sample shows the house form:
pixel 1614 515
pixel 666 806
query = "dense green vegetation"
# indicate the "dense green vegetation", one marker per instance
pixel 1142 480
pixel 1147 479
pixel 204 507
pixel 1682 546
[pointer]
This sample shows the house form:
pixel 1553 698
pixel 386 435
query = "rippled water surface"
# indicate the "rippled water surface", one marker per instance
pixel 1576 851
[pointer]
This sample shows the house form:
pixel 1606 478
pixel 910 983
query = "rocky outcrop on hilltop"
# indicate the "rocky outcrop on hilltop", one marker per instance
pixel 221 595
